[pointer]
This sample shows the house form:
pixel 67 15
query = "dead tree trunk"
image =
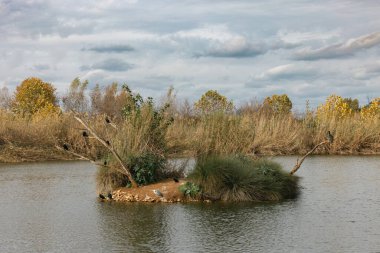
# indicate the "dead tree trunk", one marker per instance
pixel 299 162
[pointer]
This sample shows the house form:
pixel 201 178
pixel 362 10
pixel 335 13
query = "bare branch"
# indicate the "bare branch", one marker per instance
pixel 81 157
pixel 299 162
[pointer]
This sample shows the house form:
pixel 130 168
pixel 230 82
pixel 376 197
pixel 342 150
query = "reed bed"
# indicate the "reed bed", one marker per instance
pixel 220 133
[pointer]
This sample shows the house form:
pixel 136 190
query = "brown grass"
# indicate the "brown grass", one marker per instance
pixel 254 131
pixel 269 134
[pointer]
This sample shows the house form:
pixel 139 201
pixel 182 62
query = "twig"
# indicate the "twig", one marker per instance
pixel 299 162
pixel 110 148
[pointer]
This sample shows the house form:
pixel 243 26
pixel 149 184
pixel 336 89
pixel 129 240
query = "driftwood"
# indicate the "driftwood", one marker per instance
pixel 299 162
pixel 110 148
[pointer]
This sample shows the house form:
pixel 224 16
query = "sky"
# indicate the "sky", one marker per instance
pixel 244 49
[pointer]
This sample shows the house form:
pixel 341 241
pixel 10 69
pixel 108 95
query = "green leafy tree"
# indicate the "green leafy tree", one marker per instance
pixel 34 95
pixel 279 103
pixel 212 101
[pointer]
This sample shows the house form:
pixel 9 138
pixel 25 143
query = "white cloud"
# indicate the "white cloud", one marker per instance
pixel 297 37
pixel 349 48
pixel 288 71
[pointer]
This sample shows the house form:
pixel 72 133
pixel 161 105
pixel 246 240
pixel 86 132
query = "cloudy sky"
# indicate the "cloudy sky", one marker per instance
pixel 245 49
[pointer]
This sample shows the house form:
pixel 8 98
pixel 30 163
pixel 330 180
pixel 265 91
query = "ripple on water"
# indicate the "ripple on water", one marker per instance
pixel 52 207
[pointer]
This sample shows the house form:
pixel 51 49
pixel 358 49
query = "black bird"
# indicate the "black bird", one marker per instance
pixel 65 147
pixel 330 137
pixel 85 134
pixel 109 195
pixel 108 120
pixel 108 143
pixel 102 196
pixel 175 180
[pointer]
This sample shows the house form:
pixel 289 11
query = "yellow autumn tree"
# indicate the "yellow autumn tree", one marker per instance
pixel 335 106
pixel 212 101
pixel 34 96
pixel 372 110
pixel 279 104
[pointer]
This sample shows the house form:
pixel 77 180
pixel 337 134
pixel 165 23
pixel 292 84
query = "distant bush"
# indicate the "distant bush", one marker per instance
pixel 280 104
pixel 212 102
pixel 242 179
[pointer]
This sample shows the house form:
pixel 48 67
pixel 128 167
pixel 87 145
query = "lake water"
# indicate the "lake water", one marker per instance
pixel 53 207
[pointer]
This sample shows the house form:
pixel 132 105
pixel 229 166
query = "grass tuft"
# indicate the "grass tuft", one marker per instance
pixel 233 178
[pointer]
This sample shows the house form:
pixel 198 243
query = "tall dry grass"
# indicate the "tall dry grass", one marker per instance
pixel 35 139
pixel 271 134
pixel 254 131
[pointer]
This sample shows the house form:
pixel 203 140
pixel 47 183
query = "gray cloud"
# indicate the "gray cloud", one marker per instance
pixel 368 71
pixel 40 67
pixel 111 49
pixel 340 50
pixel 236 49
pixel 237 42
pixel 112 65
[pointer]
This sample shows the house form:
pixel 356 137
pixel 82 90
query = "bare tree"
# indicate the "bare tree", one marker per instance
pixel 76 99
pixel 5 98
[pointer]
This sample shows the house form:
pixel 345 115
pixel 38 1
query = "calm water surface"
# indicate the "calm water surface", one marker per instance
pixel 52 207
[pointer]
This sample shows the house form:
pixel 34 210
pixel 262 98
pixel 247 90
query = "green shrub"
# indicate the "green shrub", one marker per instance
pixel 145 167
pixel 243 179
pixel 190 189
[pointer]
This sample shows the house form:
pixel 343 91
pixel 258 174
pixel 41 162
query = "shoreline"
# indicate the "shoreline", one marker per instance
pixel 12 154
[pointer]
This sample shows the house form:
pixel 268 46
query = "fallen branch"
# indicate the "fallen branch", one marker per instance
pixel 110 148
pixel 299 162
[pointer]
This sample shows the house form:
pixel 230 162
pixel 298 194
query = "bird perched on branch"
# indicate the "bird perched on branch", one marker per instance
pixel 108 143
pixel 158 193
pixel 84 134
pixel 330 137
pixel 65 147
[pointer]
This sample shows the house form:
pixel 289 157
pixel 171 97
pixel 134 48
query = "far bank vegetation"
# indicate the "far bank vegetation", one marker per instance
pixel 31 124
